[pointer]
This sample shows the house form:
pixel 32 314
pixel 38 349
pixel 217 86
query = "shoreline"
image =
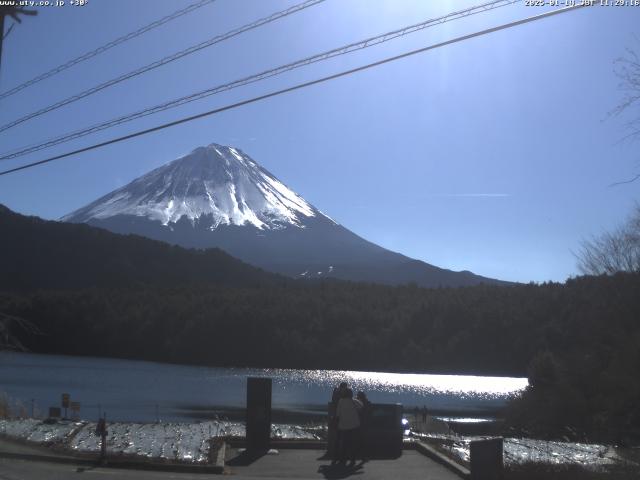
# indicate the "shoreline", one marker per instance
pixel 154 362
pixel 190 443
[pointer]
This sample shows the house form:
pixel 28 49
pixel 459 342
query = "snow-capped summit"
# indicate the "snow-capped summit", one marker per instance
pixel 218 196
pixel 215 180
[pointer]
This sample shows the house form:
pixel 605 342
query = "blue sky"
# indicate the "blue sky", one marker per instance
pixel 493 155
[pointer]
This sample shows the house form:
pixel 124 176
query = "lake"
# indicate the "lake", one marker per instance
pixel 130 390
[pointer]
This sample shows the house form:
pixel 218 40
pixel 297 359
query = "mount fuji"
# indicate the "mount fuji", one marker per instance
pixel 217 196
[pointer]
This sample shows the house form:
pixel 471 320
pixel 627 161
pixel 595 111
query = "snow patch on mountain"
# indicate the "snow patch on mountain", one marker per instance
pixel 215 180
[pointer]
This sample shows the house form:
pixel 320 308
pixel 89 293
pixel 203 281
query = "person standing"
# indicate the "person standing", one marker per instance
pixel 332 432
pixel 363 431
pixel 348 426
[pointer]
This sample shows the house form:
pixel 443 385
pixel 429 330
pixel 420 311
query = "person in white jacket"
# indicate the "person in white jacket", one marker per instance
pixel 348 425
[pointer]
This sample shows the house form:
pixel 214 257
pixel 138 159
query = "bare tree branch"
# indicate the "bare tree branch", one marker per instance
pixel 627 69
pixel 625 181
pixel 8 340
pixel 611 252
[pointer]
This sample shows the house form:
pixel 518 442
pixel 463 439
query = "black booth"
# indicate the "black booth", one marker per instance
pixel 382 430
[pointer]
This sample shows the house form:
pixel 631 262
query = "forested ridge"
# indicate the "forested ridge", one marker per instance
pixel 578 342
pixel 483 329
pixel 41 254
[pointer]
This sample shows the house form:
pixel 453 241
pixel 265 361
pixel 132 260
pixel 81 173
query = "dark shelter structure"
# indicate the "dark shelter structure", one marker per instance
pixel 258 414
pixel 382 431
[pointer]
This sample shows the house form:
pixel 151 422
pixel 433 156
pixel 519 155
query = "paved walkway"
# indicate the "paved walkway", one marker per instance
pixel 12 469
pixel 23 448
pixel 302 464
pixel 310 464
pixel 289 464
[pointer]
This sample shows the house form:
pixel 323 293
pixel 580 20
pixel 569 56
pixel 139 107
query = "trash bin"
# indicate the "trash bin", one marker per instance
pixel 383 431
pixel 487 459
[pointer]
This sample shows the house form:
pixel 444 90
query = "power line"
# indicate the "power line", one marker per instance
pixel 4 37
pixel 372 41
pixel 163 61
pixel 299 86
pixel 369 42
pixel 106 46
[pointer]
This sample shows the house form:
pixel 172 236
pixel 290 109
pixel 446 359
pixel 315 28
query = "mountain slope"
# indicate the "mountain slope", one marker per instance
pixel 218 181
pixel 219 196
pixel 40 254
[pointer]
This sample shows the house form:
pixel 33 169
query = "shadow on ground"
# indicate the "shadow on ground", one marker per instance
pixel 340 470
pixel 246 458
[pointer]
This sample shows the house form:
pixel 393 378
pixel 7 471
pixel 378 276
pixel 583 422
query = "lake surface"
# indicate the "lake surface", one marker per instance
pixel 146 391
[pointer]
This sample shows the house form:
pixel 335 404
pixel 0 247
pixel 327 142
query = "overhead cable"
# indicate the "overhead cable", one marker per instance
pixel 346 49
pixel 163 61
pixel 106 46
pixel 298 87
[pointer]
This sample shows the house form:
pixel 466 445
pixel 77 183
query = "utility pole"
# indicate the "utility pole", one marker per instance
pixel 14 12
pixel 101 429
pixel 1 35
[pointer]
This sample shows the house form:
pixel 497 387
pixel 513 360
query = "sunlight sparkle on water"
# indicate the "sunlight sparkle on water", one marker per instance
pixel 410 382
